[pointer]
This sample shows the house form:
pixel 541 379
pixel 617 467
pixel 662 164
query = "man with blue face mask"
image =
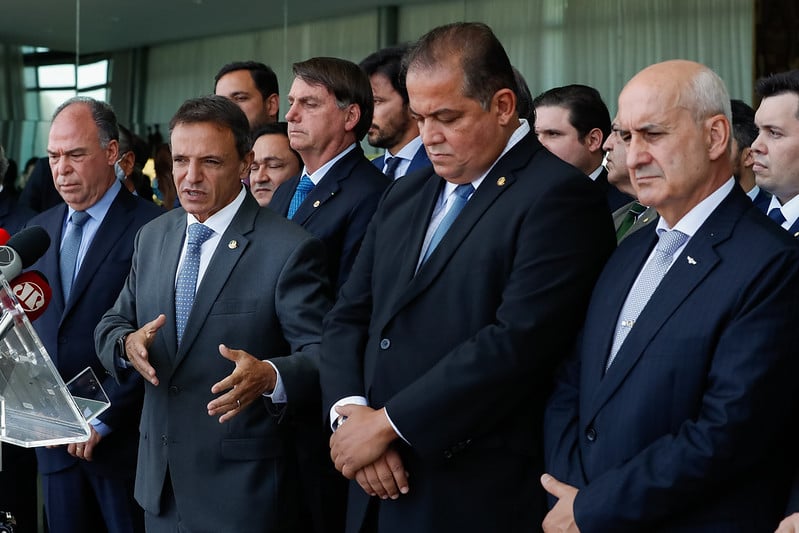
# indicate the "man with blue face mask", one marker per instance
pixel 127 167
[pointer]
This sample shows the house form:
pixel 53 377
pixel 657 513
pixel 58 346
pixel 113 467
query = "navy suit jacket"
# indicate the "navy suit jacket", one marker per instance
pixel 461 353
pixel 692 427
pixel 419 161
pixel 762 200
pixel 13 215
pixel 67 328
pixel 616 198
pixel 338 209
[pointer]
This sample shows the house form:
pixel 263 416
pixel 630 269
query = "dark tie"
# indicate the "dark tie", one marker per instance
pixel 777 216
pixel 649 279
pixel 69 250
pixel 635 211
pixel 391 166
pixel 187 278
pixel 303 188
pixel 462 193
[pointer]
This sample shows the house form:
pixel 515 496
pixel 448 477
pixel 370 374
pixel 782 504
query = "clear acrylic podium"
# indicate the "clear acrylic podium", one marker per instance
pixel 36 406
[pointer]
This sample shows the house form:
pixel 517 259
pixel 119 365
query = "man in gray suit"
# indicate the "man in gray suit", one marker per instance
pixel 197 317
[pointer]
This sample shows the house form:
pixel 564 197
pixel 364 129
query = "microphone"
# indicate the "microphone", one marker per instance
pixel 22 250
pixel 33 293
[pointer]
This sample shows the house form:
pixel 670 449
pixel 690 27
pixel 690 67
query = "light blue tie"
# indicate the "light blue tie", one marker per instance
pixel 649 279
pixel 69 250
pixel 303 188
pixel 462 193
pixel 187 278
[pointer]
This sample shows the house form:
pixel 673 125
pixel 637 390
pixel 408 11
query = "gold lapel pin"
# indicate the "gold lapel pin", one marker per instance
pixel 317 203
pixel 501 181
pixel 233 245
pixel 796 234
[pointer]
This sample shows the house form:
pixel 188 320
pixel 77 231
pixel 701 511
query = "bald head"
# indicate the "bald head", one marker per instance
pixel 674 118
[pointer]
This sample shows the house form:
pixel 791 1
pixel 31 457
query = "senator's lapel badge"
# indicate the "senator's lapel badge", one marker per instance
pixel 501 181
pixel 233 244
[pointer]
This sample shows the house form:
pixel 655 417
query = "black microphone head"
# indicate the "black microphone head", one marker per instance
pixel 30 244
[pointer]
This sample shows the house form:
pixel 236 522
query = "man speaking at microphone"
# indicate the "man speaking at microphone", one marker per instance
pixel 89 486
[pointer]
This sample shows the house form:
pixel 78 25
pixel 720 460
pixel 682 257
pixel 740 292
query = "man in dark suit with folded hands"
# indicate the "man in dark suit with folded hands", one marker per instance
pixel 677 412
pixel 469 283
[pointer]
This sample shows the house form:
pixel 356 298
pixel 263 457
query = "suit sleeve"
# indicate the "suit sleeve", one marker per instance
pixel 117 321
pixel 303 297
pixel 753 369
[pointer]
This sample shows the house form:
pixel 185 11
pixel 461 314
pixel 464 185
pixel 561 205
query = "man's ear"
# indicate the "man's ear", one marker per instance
pixel 594 140
pixel 717 135
pixel 747 157
pixel 505 102
pixel 273 105
pixel 127 162
pixel 353 116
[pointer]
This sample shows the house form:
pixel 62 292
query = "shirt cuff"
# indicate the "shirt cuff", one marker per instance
pixel 278 395
pixel 349 400
pixel 103 429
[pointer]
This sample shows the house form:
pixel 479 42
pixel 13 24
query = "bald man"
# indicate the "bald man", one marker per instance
pixel 675 413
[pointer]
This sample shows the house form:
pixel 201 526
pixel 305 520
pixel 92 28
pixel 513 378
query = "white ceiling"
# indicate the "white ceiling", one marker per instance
pixel 107 25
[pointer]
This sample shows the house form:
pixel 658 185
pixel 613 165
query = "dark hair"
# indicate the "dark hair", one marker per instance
pixel 524 98
pixel 743 123
pixel 263 76
pixel 102 114
pixel 276 128
pixel 780 83
pixel 388 62
pixel 586 108
pixel 217 110
pixel 345 80
pixel 485 64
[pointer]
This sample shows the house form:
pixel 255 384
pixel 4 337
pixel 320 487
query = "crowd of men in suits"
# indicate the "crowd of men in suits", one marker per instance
pixel 567 323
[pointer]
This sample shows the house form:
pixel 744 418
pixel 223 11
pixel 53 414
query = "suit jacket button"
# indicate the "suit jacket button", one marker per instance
pixel 164 440
pixel 385 344
pixel 590 434
pixel 174 389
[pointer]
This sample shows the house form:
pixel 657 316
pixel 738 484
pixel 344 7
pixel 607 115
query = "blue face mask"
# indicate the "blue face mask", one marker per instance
pixel 120 174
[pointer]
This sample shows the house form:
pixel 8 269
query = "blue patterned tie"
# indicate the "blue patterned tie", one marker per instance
pixel 303 188
pixel 462 193
pixel 649 279
pixel 69 250
pixel 187 279
pixel 391 166
pixel 777 216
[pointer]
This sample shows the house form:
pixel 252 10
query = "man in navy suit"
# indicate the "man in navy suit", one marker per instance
pixel 744 132
pixel 393 127
pixel 677 412
pixel 337 192
pixel 776 148
pixel 89 486
pixel 471 279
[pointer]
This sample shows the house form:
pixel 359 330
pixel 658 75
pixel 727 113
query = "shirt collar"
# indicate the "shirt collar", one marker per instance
pixel 317 176
pixel 101 206
pixel 691 221
pixel 409 150
pixel 220 220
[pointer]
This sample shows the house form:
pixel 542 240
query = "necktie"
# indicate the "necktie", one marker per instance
pixel 187 278
pixel 303 188
pixel 391 166
pixel 69 250
pixel 648 281
pixel 635 211
pixel 777 216
pixel 462 193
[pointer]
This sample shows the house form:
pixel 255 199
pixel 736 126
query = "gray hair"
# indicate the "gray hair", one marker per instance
pixel 103 115
pixel 707 95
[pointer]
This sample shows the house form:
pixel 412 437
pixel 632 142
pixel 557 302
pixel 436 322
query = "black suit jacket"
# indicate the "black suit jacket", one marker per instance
pixel 692 427
pixel 66 328
pixel 338 209
pixel 461 353
pixel 616 198
pixel 13 215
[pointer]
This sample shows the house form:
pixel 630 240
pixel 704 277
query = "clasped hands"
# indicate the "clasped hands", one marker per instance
pixel 361 449
pixel 250 379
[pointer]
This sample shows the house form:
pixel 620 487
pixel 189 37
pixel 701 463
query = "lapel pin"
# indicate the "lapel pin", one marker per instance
pixel 645 220
pixel 691 260
pixel 233 245
pixel 501 181
pixel 317 203
pixel 796 234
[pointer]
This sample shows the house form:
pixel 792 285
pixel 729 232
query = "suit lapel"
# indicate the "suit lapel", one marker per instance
pixel 498 181
pixel 328 186
pixel 224 260
pixel 794 230
pixel 693 265
pixel 169 256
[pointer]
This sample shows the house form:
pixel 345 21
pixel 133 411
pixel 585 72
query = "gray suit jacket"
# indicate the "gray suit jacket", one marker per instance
pixel 650 215
pixel 265 291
